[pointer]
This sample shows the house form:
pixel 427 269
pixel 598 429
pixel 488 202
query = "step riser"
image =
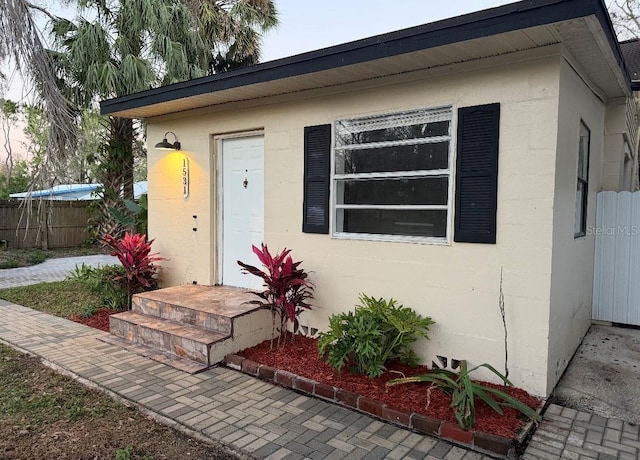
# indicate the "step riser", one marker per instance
pixel 198 323
pixel 180 346
pixel 181 314
pixel 248 330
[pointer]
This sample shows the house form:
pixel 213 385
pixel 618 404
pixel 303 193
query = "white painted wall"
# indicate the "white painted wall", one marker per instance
pixel 572 267
pixel 456 284
pixel 614 146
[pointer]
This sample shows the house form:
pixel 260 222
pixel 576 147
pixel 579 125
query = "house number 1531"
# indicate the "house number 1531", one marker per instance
pixel 185 177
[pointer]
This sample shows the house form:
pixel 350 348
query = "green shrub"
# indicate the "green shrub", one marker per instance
pixel 101 281
pixel 88 311
pixel 123 454
pixel 11 263
pixel 36 257
pixel 376 332
pixel 464 391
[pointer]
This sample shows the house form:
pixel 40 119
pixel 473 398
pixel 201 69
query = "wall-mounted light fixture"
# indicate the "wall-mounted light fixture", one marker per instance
pixel 165 145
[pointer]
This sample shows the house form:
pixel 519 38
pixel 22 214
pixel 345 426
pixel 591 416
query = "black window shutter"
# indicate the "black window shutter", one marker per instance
pixel 317 165
pixel 477 174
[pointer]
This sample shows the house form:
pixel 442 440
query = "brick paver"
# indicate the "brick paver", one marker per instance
pixel 271 422
pixel 50 270
pixel 224 405
pixel 570 434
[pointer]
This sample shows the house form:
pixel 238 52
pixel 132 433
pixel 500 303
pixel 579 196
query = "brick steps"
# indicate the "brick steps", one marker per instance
pixel 187 341
pixel 183 364
pixel 195 324
pixel 190 311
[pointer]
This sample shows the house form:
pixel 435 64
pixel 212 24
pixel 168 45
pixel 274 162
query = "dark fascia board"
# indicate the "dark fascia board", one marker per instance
pixel 507 18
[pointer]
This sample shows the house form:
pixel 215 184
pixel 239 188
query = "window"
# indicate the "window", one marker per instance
pixel 627 169
pixel 582 189
pixel 392 175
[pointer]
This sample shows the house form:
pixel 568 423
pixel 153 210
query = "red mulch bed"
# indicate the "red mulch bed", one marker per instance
pixel 301 358
pixel 99 319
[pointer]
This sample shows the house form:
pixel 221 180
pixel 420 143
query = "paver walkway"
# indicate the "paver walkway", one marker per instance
pixel 269 421
pixel 50 270
pixel 222 404
pixel 578 435
pixel 256 417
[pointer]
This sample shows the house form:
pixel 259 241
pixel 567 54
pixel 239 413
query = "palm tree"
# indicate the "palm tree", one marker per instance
pixel 21 41
pixel 232 29
pixel 134 45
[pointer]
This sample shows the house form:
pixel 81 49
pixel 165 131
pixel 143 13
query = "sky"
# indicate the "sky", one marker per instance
pixel 307 27
pixel 304 28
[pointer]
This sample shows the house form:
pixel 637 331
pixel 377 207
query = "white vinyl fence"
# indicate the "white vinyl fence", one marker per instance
pixel 616 279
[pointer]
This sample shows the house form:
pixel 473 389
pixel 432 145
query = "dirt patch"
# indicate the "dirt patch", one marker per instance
pixel 301 358
pixel 45 415
pixel 98 320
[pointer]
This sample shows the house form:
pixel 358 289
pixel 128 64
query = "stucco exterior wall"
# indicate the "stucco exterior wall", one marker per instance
pixel 456 284
pixel 572 267
pixel 614 146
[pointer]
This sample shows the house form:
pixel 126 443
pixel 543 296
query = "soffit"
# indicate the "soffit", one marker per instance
pixel 583 38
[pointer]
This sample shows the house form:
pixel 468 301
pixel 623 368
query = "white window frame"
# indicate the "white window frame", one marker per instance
pixel 449 173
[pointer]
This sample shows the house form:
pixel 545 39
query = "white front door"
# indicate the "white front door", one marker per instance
pixel 242 213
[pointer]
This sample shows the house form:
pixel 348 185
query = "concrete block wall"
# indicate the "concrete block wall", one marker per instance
pixel 456 284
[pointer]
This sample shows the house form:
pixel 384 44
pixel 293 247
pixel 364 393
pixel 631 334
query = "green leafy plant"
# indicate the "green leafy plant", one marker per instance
pixel 135 215
pixel 36 257
pixel 11 263
pixel 464 392
pixel 88 311
pixel 102 282
pixel 134 253
pixel 287 287
pixel 124 454
pixel 76 412
pixel 377 332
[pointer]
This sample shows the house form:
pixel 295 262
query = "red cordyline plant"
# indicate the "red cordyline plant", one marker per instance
pixel 134 253
pixel 287 288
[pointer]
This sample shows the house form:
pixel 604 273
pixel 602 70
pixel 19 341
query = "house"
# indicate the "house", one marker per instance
pixel 443 165
pixel 73 192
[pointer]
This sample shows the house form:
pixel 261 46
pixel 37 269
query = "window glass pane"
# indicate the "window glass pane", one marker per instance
pixel 423 190
pixel 394 133
pixel 393 158
pixel 416 124
pixel 583 153
pixel 579 222
pixel 393 222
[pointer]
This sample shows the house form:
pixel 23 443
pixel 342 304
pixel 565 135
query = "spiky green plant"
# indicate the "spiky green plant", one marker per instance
pixel 464 392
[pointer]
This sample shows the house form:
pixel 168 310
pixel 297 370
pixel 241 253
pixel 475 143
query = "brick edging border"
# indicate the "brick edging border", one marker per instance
pixel 476 440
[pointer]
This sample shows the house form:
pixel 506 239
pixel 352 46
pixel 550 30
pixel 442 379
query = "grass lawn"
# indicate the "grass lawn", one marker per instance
pixel 46 415
pixel 13 257
pixel 60 298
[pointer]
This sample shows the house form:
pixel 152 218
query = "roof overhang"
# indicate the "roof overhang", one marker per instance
pixel 583 27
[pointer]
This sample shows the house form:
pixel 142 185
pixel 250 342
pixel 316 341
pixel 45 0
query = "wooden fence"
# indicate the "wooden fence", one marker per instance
pixel 65 223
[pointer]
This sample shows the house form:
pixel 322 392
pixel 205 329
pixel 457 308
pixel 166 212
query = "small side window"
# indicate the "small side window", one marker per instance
pixel 582 189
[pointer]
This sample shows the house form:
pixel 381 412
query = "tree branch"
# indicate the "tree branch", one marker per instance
pixel 40 9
